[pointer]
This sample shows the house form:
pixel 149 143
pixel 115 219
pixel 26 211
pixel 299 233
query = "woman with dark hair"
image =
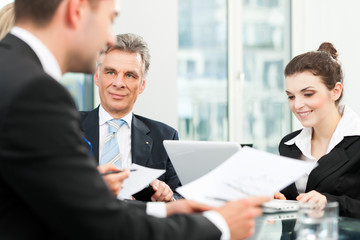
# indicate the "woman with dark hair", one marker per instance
pixel 331 133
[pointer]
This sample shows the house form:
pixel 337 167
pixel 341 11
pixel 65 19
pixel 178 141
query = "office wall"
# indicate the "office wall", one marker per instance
pixel 316 21
pixel 156 22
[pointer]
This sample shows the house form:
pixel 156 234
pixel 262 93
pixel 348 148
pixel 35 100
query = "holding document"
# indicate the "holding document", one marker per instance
pixel 249 172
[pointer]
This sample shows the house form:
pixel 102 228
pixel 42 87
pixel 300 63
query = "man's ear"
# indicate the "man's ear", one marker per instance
pixel 142 86
pixel 75 11
pixel 96 77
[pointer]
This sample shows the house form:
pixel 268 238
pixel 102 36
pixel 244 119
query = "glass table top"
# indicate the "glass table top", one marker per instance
pixel 280 226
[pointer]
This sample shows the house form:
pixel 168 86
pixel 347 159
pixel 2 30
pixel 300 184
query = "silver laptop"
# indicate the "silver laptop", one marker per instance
pixel 193 159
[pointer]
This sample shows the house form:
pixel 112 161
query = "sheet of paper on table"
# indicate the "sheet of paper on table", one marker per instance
pixel 249 172
pixel 138 180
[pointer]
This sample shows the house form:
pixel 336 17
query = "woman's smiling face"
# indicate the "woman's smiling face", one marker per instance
pixel 309 99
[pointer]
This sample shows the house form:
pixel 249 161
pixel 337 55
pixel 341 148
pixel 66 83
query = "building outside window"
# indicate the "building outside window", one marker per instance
pixel 205 90
pixel 202 70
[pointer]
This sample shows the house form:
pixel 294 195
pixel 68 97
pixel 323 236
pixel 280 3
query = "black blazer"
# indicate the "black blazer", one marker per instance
pixel 49 186
pixel 147 147
pixel 337 176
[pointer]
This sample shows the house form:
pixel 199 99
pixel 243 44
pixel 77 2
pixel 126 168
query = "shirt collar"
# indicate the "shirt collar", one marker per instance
pixel 47 59
pixel 104 116
pixel 349 125
pixel 303 142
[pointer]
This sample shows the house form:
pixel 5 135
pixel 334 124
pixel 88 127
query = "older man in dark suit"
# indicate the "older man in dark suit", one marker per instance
pixel 121 77
pixel 49 186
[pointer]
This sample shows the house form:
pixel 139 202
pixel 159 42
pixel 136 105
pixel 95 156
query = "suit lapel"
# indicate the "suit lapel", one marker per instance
pixel 330 163
pixel 292 152
pixel 91 129
pixel 141 142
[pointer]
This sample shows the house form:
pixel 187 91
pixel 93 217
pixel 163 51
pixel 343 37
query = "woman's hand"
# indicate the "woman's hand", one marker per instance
pixel 312 197
pixel 280 196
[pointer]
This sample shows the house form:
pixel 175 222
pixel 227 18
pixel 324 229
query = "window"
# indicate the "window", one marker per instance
pixel 81 88
pixel 231 84
pixel 202 70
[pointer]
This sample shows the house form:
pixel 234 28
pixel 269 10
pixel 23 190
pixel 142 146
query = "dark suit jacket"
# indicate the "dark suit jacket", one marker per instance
pixel 147 148
pixel 49 186
pixel 337 176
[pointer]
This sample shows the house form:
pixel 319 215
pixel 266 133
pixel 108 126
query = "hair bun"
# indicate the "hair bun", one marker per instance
pixel 330 49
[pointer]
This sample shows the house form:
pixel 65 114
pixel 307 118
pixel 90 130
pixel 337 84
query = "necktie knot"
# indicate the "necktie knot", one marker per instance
pixel 115 124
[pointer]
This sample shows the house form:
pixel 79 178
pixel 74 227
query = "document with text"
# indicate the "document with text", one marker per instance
pixel 249 172
pixel 138 180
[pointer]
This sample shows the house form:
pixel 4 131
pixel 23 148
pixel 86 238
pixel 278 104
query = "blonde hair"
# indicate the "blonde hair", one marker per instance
pixel 7 19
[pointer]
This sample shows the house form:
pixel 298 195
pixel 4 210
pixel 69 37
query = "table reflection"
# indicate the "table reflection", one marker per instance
pixel 280 226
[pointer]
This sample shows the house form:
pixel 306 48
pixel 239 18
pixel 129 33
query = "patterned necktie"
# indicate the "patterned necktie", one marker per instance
pixel 110 152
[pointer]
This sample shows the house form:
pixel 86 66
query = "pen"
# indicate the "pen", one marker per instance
pixel 103 174
pixel 217 199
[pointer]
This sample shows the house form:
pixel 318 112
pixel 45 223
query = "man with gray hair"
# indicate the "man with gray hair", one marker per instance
pixel 121 76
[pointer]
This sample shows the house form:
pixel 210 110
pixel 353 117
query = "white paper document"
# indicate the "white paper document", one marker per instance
pixel 138 180
pixel 249 172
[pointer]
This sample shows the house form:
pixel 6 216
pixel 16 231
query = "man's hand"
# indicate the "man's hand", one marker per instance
pixel 240 216
pixel 183 206
pixel 114 180
pixel 163 192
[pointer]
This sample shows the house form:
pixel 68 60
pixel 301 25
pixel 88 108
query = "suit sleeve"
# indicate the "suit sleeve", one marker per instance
pixel 344 184
pixel 348 206
pixel 46 165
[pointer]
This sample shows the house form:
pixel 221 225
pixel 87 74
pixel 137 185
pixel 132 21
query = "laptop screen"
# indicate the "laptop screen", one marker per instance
pixel 193 159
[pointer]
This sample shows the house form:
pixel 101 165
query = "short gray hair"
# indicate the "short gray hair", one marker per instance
pixel 131 43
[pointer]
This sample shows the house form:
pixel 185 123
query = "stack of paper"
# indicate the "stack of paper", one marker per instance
pixel 249 172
